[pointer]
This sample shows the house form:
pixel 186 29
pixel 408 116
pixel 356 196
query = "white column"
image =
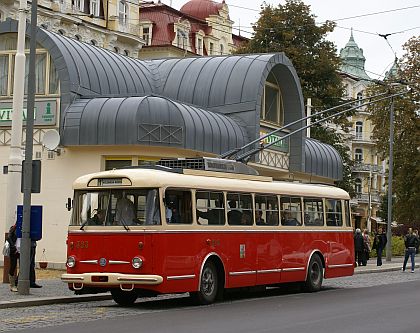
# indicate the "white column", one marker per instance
pixel 14 196
pixel 308 113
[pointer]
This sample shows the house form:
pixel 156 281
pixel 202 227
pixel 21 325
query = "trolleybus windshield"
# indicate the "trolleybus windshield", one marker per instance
pixel 116 207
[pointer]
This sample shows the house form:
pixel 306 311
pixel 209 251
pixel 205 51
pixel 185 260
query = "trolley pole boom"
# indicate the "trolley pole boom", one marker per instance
pixel 256 150
pixel 236 150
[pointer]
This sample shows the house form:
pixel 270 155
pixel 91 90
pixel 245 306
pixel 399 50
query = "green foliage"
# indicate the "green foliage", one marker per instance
pixel 406 164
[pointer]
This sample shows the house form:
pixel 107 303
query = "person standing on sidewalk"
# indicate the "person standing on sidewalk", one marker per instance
pixel 366 244
pixel 359 248
pixel 379 244
pixel 14 256
pixel 411 243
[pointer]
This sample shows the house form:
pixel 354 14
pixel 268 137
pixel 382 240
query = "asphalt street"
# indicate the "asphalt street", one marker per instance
pixel 377 302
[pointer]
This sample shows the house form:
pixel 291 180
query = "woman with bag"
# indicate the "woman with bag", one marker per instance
pixel 14 256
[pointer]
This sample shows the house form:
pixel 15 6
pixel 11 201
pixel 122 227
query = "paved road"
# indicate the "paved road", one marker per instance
pixel 379 302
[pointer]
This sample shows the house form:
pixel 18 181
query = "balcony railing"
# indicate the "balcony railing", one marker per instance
pixel 364 197
pixel 362 137
pixel 363 167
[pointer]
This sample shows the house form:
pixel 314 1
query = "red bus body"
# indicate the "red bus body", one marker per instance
pixel 173 256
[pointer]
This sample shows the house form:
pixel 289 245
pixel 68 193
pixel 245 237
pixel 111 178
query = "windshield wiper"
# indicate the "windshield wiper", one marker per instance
pixel 124 225
pixel 83 224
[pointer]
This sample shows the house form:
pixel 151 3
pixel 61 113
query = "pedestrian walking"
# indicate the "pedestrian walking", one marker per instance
pixel 366 245
pixel 359 248
pixel 416 233
pixel 411 243
pixel 379 244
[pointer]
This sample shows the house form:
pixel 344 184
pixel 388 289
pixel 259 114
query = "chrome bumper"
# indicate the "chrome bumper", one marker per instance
pixel 112 279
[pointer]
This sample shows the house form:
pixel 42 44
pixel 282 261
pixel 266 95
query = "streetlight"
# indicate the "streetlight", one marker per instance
pixel 390 170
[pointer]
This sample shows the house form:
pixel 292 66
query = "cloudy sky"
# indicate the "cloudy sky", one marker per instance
pixel 399 18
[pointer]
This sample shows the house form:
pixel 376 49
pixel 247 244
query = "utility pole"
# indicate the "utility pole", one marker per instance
pixel 390 171
pixel 25 253
pixel 14 167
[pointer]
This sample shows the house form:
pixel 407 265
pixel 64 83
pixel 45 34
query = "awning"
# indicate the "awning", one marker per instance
pixel 378 219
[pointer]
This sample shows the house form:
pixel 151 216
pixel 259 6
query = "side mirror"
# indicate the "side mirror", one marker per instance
pixel 69 204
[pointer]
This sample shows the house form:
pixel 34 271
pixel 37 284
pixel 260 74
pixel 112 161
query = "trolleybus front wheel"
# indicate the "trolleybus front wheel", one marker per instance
pixel 124 298
pixel 314 276
pixel 209 285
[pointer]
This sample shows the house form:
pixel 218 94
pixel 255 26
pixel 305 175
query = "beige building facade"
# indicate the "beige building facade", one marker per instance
pixel 369 170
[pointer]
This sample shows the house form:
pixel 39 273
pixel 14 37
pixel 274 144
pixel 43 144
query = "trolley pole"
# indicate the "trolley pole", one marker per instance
pixel 14 165
pixel 25 253
pixel 390 170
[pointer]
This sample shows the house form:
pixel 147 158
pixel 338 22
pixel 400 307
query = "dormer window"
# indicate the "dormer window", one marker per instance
pixel 181 39
pixel 146 35
pixel 272 106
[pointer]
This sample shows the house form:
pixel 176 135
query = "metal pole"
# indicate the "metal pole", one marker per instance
pixel 25 253
pixel 14 167
pixel 390 171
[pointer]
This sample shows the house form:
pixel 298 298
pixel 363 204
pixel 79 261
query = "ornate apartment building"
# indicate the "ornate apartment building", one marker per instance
pixel 369 169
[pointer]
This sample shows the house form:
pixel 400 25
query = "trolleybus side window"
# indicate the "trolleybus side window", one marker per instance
pixel 347 213
pixel 178 208
pixel 313 211
pixel 266 210
pixel 240 209
pixel 291 210
pixel 334 212
pixel 210 208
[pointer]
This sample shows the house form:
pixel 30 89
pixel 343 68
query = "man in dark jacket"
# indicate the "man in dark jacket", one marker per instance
pixel 411 243
pixel 359 248
pixel 379 244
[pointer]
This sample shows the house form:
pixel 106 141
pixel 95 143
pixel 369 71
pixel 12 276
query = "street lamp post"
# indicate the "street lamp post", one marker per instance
pixel 390 170
pixel 25 253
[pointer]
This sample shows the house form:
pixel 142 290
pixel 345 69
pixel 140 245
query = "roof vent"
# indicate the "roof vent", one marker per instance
pixel 209 164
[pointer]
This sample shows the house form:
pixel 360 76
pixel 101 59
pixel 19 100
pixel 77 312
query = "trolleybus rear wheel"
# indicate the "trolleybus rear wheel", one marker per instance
pixel 125 298
pixel 209 285
pixel 314 276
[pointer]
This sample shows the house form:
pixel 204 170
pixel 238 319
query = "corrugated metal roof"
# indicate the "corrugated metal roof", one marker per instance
pixel 322 160
pixel 149 120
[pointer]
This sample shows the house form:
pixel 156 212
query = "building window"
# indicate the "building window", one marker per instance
pixel 116 164
pixel 200 46
pixel 358 185
pixel 62 32
pixel 181 39
pixel 116 50
pixel 78 37
pixel 127 53
pixel 222 52
pixel 211 48
pixel 359 130
pixel 146 35
pixel 78 5
pixel 46 81
pixel 359 98
pixel 93 42
pixel 272 106
pixel 358 155
pixel 94 7
pixel 123 11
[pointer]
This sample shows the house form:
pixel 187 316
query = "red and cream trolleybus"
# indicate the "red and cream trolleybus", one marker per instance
pixel 142 231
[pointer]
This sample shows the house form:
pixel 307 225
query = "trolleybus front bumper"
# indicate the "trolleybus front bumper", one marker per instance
pixel 109 279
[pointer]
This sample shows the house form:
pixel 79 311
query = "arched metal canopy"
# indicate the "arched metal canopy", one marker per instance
pixel 149 120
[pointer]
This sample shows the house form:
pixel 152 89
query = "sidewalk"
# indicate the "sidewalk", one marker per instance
pixel 54 291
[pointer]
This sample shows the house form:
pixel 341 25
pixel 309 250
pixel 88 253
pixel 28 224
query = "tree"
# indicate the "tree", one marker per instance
pixel 406 175
pixel 291 28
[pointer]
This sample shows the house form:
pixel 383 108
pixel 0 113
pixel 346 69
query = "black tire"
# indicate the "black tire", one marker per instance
pixel 314 275
pixel 124 298
pixel 209 284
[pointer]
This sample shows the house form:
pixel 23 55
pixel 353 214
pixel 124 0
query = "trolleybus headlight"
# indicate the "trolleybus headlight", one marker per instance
pixel 71 262
pixel 137 262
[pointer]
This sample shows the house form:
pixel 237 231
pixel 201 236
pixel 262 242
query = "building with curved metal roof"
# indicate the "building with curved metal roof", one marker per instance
pixel 111 110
